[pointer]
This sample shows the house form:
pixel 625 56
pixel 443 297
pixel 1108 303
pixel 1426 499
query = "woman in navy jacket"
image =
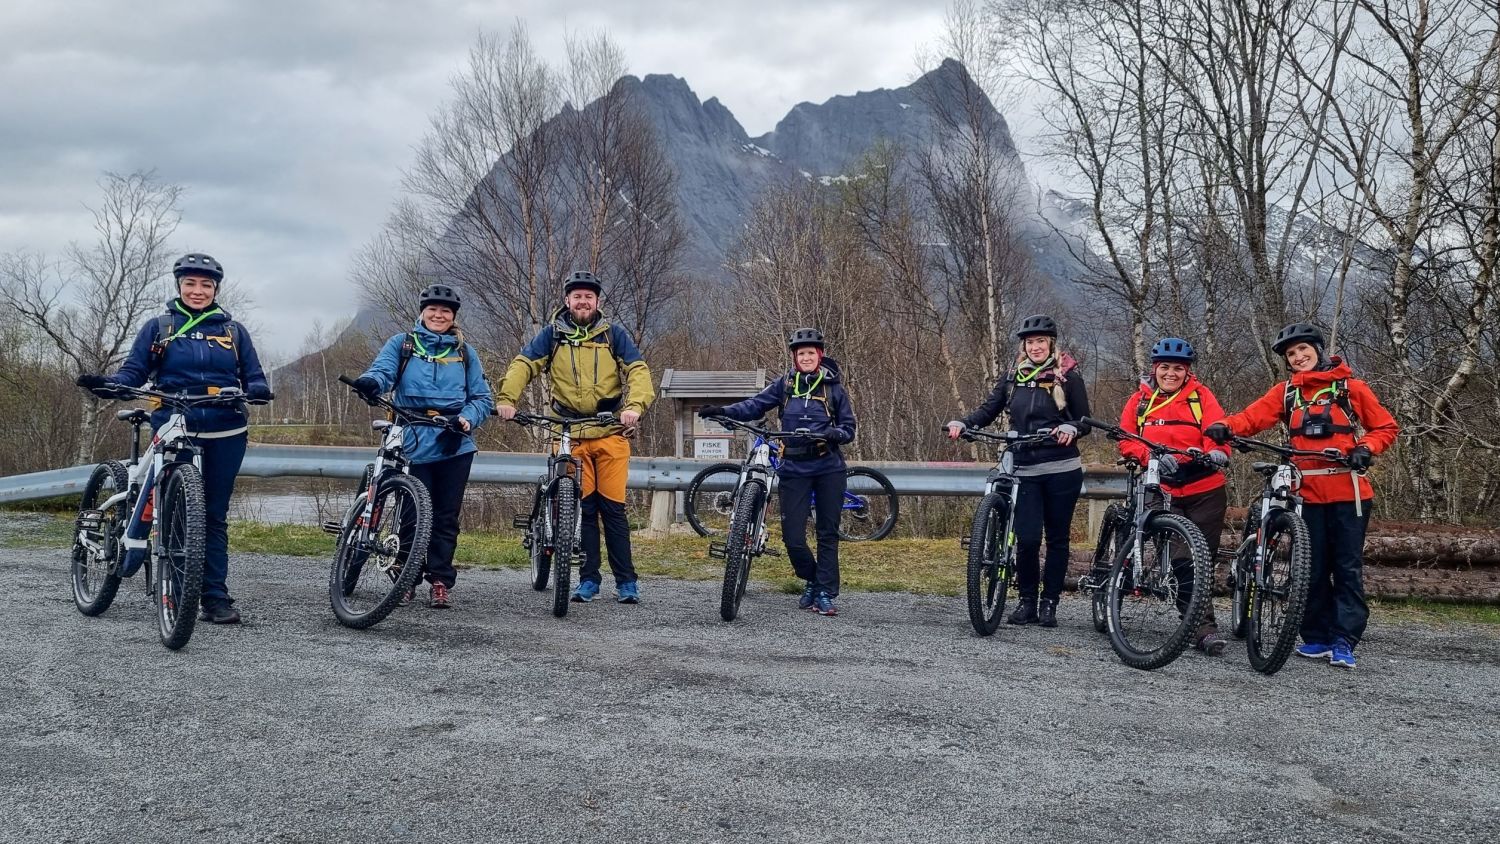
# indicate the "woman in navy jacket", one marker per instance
pixel 812 471
pixel 197 346
pixel 441 374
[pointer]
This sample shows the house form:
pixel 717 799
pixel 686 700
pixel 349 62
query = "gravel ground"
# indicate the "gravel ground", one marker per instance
pixel 496 722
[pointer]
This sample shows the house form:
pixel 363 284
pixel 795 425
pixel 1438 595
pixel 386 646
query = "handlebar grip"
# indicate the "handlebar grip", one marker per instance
pixel 346 380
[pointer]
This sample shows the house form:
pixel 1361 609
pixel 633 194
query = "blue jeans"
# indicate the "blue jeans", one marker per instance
pixel 1336 606
pixel 221 464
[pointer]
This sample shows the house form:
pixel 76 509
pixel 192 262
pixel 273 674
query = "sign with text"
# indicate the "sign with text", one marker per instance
pixel 711 448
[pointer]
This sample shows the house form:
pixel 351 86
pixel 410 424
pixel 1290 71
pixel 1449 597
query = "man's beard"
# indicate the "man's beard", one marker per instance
pixel 582 316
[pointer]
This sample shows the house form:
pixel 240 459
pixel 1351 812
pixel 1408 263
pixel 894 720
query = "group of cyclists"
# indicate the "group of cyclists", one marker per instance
pixel 593 367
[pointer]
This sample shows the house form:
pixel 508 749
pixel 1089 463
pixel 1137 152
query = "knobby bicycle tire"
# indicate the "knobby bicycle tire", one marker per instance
pixel 410 504
pixel 691 504
pixel 739 547
pixel 564 534
pixel 1172 645
pixel 1243 575
pixel 1112 531
pixel 97 579
pixel 1287 585
pixel 179 563
pixel 852 523
pixel 989 565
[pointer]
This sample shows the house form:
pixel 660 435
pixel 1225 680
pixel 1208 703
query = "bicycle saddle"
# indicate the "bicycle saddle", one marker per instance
pixel 380 424
pixel 134 415
pixel 1264 468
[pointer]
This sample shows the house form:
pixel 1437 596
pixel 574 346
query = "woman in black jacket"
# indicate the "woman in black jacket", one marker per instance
pixel 1041 390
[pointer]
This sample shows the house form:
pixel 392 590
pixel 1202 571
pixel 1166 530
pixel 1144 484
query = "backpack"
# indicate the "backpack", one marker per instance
pixel 409 348
pixel 1292 399
pixel 822 396
pixel 1195 404
pixel 165 334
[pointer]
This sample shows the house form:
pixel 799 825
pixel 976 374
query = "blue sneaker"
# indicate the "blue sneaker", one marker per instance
pixel 628 593
pixel 1343 655
pixel 585 591
pixel 824 605
pixel 809 597
pixel 1313 650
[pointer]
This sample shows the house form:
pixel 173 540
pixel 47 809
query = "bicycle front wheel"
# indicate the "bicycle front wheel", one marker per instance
pixel 99 553
pixel 739 548
pixel 179 563
pixel 991 556
pixel 1278 604
pixel 564 515
pixel 868 514
pixel 1151 615
pixel 709 502
pixel 1112 533
pixel 370 575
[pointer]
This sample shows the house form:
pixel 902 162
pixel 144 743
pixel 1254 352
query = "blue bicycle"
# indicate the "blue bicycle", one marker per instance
pixel 870 503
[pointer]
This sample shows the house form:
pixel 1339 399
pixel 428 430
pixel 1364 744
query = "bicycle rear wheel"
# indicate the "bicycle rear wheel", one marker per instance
pixel 868 514
pixel 540 553
pixel 179 563
pixel 96 565
pixel 564 516
pixel 1276 608
pixel 1242 574
pixel 739 547
pixel 709 502
pixel 991 562
pixel 1151 618
pixel 370 576
pixel 1112 533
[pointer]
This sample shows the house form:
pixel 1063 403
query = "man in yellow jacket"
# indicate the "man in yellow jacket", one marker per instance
pixel 593 367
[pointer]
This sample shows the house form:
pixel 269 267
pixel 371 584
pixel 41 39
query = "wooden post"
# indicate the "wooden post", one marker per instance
pixel 1097 507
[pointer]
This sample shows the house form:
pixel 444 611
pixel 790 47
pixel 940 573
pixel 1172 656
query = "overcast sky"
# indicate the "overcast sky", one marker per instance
pixel 288 122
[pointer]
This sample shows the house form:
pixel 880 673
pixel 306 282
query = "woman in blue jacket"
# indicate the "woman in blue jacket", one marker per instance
pixel 431 368
pixel 812 471
pixel 195 346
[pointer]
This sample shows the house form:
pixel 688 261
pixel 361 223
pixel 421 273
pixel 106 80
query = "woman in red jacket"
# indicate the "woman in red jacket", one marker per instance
pixel 1171 408
pixel 1324 406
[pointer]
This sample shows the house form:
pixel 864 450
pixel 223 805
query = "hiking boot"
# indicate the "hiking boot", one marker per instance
pixel 824 604
pixel 1343 654
pixel 809 597
pixel 407 597
pixel 219 612
pixel 627 593
pixel 437 597
pixel 1212 644
pixel 1025 612
pixel 1315 650
pixel 1047 612
pixel 585 591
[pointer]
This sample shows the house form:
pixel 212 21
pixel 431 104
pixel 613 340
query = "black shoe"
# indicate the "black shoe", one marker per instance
pixel 1047 613
pixel 1025 612
pixel 219 612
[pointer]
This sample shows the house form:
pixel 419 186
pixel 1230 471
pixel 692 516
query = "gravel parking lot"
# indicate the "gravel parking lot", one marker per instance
pixel 496 722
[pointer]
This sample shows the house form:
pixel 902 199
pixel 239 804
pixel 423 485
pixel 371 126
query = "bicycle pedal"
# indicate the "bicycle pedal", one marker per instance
pixel 772 551
pixel 718 550
pixel 91 520
pixel 333 527
pixel 520 522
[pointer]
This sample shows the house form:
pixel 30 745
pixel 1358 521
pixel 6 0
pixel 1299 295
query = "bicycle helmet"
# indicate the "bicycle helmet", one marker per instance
pixel 196 263
pixel 1038 324
pixel 582 280
pixel 1298 332
pixel 1173 349
pixel 440 294
pixel 805 337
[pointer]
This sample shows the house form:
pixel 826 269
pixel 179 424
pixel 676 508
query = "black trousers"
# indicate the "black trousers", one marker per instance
pixel 445 481
pixel 1206 511
pixel 798 497
pixel 596 507
pixel 1336 607
pixel 1045 502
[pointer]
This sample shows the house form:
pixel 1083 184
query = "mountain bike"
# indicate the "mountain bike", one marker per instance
pixel 555 522
pixel 383 536
pixel 149 512
pixel 746 537
pixel 1272 567
pixel 868 515
pixel 1150 608
pixel 991 542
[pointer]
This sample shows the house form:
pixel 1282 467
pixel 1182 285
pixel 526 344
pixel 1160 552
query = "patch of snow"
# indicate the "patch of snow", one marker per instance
pixel 904 105
pixel 758 150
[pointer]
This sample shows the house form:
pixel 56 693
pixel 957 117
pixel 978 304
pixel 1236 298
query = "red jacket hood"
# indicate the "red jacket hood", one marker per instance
pixel 1317 379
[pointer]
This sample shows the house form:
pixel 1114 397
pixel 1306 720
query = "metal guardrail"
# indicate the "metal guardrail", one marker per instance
pixel 501 467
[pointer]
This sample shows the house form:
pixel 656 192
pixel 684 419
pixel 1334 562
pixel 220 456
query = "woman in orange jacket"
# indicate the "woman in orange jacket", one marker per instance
pixel 1171 408
pixel 1324 406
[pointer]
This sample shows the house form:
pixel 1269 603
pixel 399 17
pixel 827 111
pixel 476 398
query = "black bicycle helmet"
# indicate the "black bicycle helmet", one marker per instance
pixel 805 337
pixel 196 263
pixel 1173 349
pixel 582 280
pixel 1039 324
pixel 1298 332
pixel 440 294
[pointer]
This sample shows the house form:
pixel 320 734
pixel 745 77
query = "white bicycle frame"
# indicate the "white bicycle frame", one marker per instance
pixel 145 476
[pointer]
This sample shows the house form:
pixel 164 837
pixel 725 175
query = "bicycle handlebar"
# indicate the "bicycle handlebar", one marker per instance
pixel 522 418
pixel 767 433
pixel 408 417
pixel 1010 437
pixel 178 400
pixel 1332 455
pixel 1116 433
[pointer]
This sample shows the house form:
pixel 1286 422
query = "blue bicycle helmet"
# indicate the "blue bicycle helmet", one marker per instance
pixel 1172 349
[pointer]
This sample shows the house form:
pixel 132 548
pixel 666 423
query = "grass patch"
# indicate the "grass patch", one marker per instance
pixel 1436 612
